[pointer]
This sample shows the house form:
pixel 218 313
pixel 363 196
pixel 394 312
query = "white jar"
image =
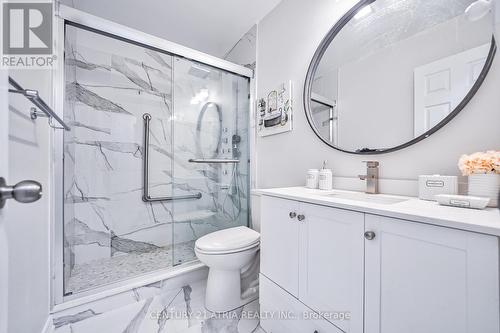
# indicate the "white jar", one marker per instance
pixel 325 179
pixel 485 185
pixel 312 178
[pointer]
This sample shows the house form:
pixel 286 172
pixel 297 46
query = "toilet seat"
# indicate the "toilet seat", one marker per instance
pixel 228 251
pixel 228 241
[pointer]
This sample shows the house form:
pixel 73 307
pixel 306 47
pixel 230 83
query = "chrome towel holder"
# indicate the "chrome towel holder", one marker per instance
pixel 34 98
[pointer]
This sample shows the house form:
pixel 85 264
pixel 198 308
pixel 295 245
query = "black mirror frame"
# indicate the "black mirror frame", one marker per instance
pixel 323 46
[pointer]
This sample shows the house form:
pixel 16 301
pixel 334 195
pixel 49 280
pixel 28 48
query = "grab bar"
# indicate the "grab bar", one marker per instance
pixel 212 160
pixel 146 197
pixel 33 96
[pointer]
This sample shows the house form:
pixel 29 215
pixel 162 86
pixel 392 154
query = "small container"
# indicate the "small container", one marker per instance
pixel 325 179
pixel 312 179
pixel 464 201
pixel 431 185
pixel 485 185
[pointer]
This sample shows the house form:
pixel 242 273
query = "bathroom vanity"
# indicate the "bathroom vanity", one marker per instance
pixel 340 261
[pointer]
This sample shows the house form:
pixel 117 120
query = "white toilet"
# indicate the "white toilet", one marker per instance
pixel 228 253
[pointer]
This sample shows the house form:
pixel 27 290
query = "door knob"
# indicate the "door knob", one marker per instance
pixel 25 191
pixel 292 215
pixel 369 235
pixel 301 217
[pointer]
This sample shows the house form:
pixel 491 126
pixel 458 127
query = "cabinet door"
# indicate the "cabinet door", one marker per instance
pixel 283 313
pixel 331 264
pixel 423 278
pixel 279 242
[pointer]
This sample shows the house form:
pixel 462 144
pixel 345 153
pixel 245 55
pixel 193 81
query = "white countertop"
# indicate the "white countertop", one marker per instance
pixel 485 221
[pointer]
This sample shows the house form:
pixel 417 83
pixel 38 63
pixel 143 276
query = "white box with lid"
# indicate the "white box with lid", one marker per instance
pixel 431 185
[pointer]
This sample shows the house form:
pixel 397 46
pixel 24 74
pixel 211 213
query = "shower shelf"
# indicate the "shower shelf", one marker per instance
pixel 33 96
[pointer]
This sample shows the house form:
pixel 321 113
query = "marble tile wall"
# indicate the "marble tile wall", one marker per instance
pixel 110 234
pixel 244 52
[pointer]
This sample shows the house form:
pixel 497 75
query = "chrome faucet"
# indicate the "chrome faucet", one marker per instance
pixel 371 177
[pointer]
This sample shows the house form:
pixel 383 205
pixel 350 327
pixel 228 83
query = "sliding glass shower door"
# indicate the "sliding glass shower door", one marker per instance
pixel 197 144
pixel 210 117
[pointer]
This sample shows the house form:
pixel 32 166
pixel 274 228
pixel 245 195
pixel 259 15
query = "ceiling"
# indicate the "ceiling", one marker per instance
pixel 210 26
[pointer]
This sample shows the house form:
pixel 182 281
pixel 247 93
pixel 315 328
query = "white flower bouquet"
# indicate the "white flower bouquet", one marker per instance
pixel 480 163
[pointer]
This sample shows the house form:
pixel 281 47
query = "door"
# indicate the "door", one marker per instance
pixel 279 242
pixel 210 124
pixel 441 85
pixel 324 112
pixel 423 278
pixel 24 228
pixel 331 264
pixel 4 137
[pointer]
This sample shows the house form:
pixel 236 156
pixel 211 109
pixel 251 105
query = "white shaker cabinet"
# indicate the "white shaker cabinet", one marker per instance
pixel 280 242
pixel 315 253
pixel 331 264
pixel 424 278
pixel 390 275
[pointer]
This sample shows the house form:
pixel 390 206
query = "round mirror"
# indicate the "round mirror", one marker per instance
pixel 209 131
pixel 392 72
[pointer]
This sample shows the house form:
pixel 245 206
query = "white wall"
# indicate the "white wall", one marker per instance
pixel 27 226
pixel 287 39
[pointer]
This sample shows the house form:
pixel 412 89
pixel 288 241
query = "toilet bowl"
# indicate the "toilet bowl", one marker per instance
pixel 228 253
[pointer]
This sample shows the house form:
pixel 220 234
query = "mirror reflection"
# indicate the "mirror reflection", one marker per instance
pixel 397 69
pixel 209 122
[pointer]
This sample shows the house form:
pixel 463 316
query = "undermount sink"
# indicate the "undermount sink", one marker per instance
pixel 374 198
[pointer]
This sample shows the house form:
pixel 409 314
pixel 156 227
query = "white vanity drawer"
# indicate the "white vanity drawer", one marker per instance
pixel 283 313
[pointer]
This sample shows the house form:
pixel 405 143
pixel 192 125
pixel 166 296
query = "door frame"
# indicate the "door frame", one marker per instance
pixel 67 15
pixel 4 168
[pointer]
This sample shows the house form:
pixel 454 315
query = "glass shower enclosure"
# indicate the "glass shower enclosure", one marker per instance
pixel 157 157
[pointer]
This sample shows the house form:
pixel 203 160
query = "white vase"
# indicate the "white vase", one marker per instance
pixel 485 185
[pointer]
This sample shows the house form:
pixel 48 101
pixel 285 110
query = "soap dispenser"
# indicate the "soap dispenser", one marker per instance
pixel 325 178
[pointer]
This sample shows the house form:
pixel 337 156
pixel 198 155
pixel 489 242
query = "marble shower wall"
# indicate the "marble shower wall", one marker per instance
pixel 244 52
pixel 110 234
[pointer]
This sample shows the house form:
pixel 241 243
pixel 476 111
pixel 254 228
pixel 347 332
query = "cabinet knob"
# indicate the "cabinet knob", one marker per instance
pixel 369 235
pixel 301 217
pixel 292 215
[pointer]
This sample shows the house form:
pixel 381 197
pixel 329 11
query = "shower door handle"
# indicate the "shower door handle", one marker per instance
pixel 145 158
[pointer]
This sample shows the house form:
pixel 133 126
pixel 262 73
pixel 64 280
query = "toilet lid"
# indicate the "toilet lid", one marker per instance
pixel 228 240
